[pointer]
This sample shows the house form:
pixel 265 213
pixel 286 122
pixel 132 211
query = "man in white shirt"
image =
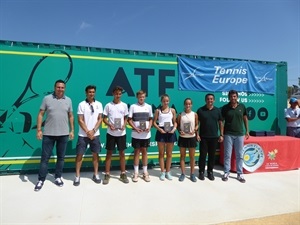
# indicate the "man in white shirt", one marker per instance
pixel 89 119
pixel 292 116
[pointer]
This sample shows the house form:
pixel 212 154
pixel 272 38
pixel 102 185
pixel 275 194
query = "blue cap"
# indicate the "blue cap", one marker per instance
pixel 293 100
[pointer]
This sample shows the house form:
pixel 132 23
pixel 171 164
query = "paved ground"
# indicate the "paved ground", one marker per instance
pixel 263 196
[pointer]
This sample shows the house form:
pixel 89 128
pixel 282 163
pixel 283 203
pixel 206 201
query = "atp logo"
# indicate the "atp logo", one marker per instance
pixel 272 154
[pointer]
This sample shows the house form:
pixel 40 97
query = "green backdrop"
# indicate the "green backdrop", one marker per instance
pixel 28 72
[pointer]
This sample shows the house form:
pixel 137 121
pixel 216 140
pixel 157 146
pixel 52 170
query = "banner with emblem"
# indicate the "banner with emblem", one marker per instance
pixel 220 75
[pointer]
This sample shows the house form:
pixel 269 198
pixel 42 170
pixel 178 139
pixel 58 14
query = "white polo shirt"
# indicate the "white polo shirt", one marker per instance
pixel 90 117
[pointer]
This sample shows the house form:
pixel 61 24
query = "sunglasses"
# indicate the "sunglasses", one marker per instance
pixel 92 108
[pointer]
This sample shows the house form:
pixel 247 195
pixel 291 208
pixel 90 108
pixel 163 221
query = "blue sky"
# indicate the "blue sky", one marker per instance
pixel 267 30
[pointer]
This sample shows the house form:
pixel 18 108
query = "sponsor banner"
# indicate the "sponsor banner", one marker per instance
pixel 219 75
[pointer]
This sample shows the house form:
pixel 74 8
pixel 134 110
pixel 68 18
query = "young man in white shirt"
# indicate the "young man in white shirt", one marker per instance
pixel 140 119
pixel 89 119
pixel 115 117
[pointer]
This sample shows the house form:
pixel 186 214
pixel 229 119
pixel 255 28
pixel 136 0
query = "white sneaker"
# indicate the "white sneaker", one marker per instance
pixel 169 175
pixel 162 176
pixel 146 177
pixel 135 177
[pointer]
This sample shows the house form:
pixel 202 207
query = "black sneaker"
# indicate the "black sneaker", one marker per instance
pixel 39 185
pixel 181 178
pixel 241 178
pixel 76 181
pixel 106 179
pixel 210 176
pixel 193 178
pixel 96 179
pixel 59 182
pixel 225 177
pixel 201 176
pixel 123 178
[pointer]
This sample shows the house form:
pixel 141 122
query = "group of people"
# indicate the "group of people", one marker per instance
pixel 204 126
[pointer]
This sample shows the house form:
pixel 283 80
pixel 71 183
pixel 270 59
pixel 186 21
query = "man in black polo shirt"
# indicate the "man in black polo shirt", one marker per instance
pixel 235 116
pixel 210 119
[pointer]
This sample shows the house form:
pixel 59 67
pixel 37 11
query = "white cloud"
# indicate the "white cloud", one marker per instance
pixel 83 26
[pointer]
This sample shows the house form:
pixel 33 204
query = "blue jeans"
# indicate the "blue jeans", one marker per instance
pixel 236 142
pixel 47 147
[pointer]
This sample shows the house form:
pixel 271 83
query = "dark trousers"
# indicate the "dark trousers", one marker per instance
pixel 47 147
pixel 207 146
pixel 293 131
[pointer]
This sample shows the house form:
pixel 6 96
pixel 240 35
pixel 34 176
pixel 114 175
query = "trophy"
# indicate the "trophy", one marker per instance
pixel 142 124
pixel 187 127
pixel 117 123
pixel 167 127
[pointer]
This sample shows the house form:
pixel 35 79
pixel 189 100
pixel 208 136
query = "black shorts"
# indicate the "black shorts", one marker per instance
pixel 140 143
pixel 187 142
pixel 83 142
pixel 113 141
pixel 167 137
